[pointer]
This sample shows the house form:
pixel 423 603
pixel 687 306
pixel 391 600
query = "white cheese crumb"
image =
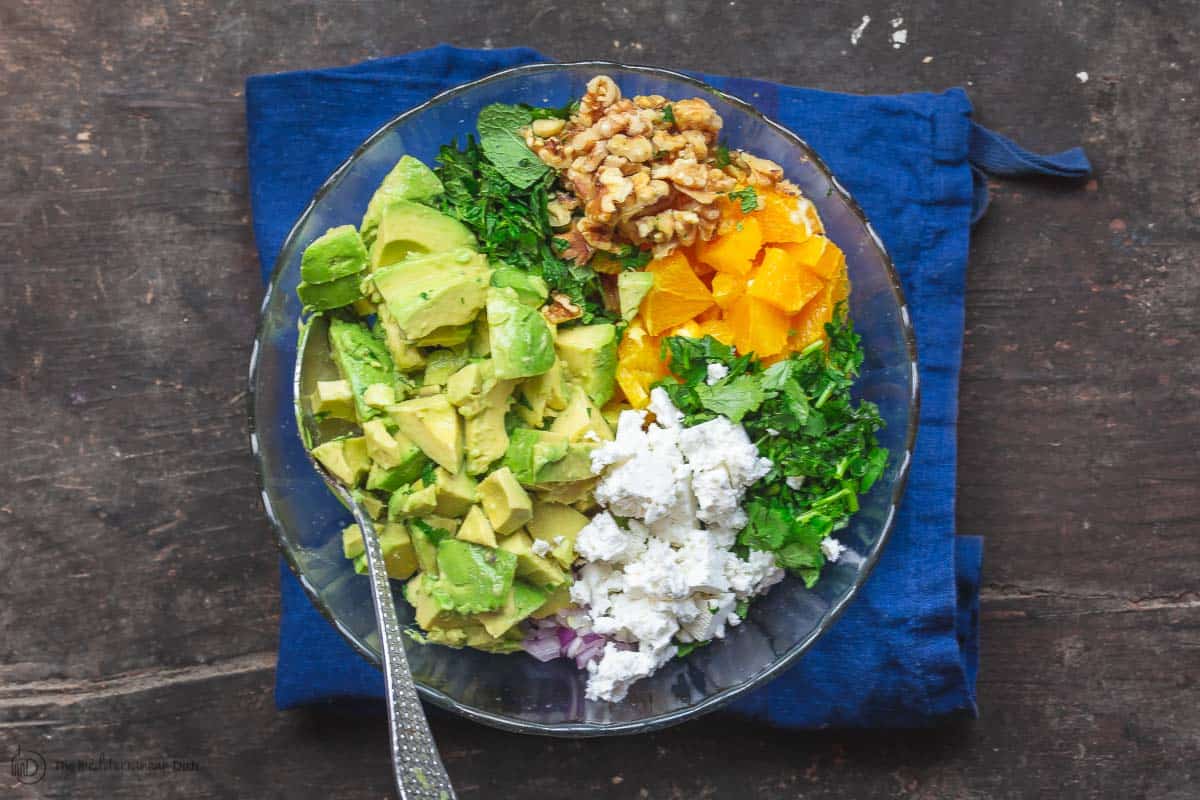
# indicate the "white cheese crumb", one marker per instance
pixel 857 33
pixel 540 547
pixel 1082 76
pixel 794 482
pixel 899 38
pixel 715 373
pixel 772 432
pixel 832 549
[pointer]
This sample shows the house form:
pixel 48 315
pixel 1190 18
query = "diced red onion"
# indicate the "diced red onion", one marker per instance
pixel 543 648
pixel 565 635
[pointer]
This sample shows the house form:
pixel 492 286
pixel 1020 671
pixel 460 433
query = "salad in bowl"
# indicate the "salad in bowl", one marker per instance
pixel 594 367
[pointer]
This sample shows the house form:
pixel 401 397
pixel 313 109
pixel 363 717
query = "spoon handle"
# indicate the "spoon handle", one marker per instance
pixel 420 774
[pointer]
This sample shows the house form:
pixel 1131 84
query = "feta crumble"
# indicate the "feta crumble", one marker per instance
pixel 715 373
pixel 667 572
pixel 540 547
pixel 832 549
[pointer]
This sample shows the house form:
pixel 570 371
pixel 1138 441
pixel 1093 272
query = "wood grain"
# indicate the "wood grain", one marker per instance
pixel 137 587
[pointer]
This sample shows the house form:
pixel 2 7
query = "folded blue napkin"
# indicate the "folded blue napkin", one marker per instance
pixel 905 652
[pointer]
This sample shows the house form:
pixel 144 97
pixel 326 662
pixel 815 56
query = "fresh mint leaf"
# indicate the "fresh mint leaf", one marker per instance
pixel 747 197
pixel 733 398
pixel 499 135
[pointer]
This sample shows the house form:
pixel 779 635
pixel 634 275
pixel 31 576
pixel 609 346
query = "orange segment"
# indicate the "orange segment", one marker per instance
pixel 809 325
pixel 727 288
pixel 690 329
pixel 635 385
pixel 758 327
pixel 712 314
pixel 678 295
pixel 783 282
pixel 734 251
pixel 784 218
pixel 639 350
pixel 719 329
pixel 818 254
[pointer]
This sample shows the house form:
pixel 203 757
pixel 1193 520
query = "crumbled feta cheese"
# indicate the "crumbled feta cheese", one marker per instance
pixel 794 482
pixel 664 411
pixel 617 670
pixel 603 540
pixel 540 547
pixel 772 432
pixel 715 373
pixel 832 549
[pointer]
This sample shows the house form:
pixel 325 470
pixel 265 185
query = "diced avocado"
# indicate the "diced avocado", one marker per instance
pixel 581 420
pixel 557 600
pixel 408 229
pixel 531 289
pixel 522 601
pixel 480 343
pixel 397 461
pixel 337 253
pixel 476 528
pixel 362 359
pixel 382 447
pixel 434 426
pixel 574 493
pixel 441 364
pixel 425 538
pixel 408 180
pixel 405 354
pixel 557 525
pixel 540 392
pixel 632 288
pixel 468 388
pixel 326 296
pixel 509 642
pixel 352 542
pixel 429 615
pixel 589 354
pixel 446 336
pixel 521 341
pixel 529 451
pixel 334 399
pixel 379 395
pixel 346 459
pixel 486 435
pixel 530 566
pixel 447 524
pixel 612 413
pixel 472 578
pixel 398 552
pixel 576 465
pixel 370 503
pixel 455 492
pixel 424 293
pixel 506 504
pixel 413 500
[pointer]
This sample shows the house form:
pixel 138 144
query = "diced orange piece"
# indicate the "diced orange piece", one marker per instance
pixel 639 350
pixel 809 325
pixel 758 327
pixel 690 329
pixel 635 384
pixel 719 329
pixel 733 251
pixel 783 282
pixel 841 287
pixel 727 288
pixel 678 295
pixel 784 218
pixel 818 254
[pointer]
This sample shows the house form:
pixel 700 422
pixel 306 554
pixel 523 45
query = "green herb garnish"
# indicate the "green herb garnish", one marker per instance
pixel 722 159
pixel 748 198
pixel 668 114
pixel 499 135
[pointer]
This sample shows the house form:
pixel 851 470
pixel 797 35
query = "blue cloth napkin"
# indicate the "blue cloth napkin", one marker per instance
pixel 905 652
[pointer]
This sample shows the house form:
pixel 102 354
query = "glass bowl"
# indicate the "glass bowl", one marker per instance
pixel 516 692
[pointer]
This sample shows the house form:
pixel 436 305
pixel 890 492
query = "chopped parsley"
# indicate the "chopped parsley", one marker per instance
pixel 722 159
pixel 827 438
pixel 747 197
pixel 668 114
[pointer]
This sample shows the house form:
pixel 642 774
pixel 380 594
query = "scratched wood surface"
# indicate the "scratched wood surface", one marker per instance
pixel 138 598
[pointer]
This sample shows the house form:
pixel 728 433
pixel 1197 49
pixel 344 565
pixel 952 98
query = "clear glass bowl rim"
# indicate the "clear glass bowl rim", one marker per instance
pixel 712 702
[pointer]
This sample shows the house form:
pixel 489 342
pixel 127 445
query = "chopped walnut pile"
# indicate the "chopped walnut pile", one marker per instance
pixel 640 171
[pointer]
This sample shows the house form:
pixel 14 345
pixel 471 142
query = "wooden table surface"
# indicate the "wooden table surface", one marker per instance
pixel 138 595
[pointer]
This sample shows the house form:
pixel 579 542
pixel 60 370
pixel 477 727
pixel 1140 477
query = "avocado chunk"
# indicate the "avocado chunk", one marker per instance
pixel 486 434
pixel 398 554
pixel 530 566
pixel 397 461
pixel 581 420
pixel 541 392
pixel 362 359
pixel 468 388
pixel 429 615
pixel 574 493
pixel 531 289
pixel 405 354
pixel 522 601
pixel 557 525
pixel 409 180
pixel 407 228
pixel 327 296
pixel 447 336
pixel 337 253
pixel 334 399
pixel 480 343
pixel 556 601
pixel 424 293
pixel 346 459
pixel 440 365
pixel 414 500
pixel 632 288
pixel 425 537
pixel 521 341
pixel 506 504
pixel 370 503
pixel 529 451
pixel 576 465
pixel 472 578
pixel 379 395
pixel 476 528
pixel 589 354
pixel 352 542
pixel 455 492
pixel 433 425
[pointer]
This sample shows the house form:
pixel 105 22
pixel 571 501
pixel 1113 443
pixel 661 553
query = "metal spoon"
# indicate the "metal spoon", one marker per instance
pixel 420 774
